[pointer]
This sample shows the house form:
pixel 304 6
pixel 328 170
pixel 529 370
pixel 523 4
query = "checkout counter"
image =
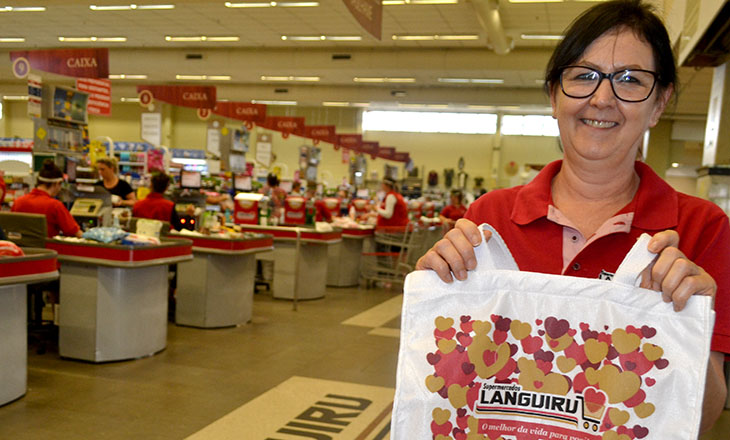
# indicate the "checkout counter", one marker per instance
pixel 344 258
pixel 37 266
pixel 300 260
pixel 216 288
pixel 113 299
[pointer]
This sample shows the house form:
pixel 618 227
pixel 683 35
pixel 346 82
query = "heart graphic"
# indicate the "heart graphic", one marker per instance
pixel 467 368
pixel 464 339
pixel 520 330
pixel 556 328
pixel 625 342
pixel 647 331
pixel 565 364
pixel 543 355
pixel 444 334
pixel 538 321
pixel 592 395
pixel 636 399
pixel 481 327
pixel 644 410
pixel 441 416
pixel 499 336
pixel 649 381
pixel 640 431
pixel 433 358
pixel 495 318
pixel 434 383
pixel 619 386
pixel 545 367
pixel 661 363
pixel 457 395
pixel 617 416
pixel 443 324
pixel 652 352
pixel 465 318
pixel 531 344
pixel 538 384
pixel 446 346
pixel 595 350
pixel 503 324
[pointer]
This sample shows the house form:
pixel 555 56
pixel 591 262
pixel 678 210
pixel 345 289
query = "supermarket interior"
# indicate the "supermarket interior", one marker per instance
pixel 209 210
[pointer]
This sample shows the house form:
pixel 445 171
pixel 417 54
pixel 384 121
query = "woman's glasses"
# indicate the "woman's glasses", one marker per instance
pixel 630 85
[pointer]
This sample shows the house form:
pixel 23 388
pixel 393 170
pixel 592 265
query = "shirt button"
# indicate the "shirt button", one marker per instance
pixel 574 238
pixel 576 266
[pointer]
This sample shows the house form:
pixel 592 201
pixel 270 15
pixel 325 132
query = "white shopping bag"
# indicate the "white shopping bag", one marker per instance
pixel 526 356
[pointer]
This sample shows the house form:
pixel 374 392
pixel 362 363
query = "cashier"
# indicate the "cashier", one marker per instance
pixel 322 213
pixel 155 206
pixel 41 201
pixel 455 210
pixel 111 182
pixel 393 211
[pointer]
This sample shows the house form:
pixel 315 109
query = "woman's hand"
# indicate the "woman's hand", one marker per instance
pixel 455 252
pixel 674 274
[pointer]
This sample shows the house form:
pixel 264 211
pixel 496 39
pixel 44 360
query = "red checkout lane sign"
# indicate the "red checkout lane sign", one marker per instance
pixel 100 95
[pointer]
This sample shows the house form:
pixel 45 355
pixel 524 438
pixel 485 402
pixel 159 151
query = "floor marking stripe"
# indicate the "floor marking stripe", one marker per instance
pixel 378 315
pixel 371 427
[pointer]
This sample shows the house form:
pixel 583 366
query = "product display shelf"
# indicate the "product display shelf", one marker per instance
pixel 299 258
pixel 37 266
pixel 113 301
pixel 344 258
pixel 216 288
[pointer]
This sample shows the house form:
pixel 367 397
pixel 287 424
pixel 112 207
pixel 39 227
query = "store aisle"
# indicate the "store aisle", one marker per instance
pixel 247 383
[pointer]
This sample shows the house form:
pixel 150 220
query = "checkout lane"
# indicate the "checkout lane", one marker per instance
pixel 37 266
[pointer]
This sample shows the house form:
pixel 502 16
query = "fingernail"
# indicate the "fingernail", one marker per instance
pixel 461 275
pixel 471 264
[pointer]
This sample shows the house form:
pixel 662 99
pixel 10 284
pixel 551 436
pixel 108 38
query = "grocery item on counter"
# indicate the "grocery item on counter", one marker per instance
pixel 139 240
pixel 10 249
pixel 104 234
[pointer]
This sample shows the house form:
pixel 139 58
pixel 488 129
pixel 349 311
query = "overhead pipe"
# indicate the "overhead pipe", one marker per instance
pixel 488 15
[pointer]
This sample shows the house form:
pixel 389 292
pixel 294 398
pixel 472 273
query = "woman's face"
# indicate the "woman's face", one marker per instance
pixel 601 127
pixel 104 171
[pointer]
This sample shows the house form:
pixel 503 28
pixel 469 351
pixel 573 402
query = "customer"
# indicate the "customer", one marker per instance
pixel 322 213
pixel 41 201
pixel 296 189
pixel 275 193
pixel 609 81
pixel 393 211
pixel 124 193
pixel 456 210
pixel 155 205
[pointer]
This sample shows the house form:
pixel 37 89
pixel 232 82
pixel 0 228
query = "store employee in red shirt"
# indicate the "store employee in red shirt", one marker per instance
pixel 41 201
pixel 394 210
pixel 155 206
pixel 455 210
pixel 581 215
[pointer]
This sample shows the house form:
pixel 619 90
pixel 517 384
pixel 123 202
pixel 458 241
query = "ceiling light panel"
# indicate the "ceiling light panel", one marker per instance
pixel 419 2
pixel 284 4
pixel 451 37
pixel 127 76
pixel 129 7
pixel 22 9
pixel 321 37
pixel 270 102
pixel 383 80
pixel 541 37
pixel 203 77
pixel 92 39
pixel 12 40
pixel 200 38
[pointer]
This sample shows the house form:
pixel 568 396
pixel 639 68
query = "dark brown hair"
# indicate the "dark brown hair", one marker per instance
pixel 160 182
pixel 49 170
pixel 596 21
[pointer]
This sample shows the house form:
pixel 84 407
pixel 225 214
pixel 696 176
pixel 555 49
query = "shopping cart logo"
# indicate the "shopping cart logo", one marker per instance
pixel 581 411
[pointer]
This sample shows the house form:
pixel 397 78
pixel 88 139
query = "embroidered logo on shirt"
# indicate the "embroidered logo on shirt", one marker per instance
pixel 606 276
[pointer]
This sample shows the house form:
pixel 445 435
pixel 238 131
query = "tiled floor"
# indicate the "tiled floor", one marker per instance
pixel 348 339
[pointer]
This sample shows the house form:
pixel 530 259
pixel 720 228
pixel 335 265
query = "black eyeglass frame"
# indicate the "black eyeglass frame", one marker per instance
pixel 610 81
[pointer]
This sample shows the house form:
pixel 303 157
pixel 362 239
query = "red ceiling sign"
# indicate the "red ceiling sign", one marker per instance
pixel 184 96
pixel 325 133
pixel 242 111
pixel 369 13
pixel 79 63
pixel 386 153
pixel 370 148
pixel 100 95
pixel 285 124
pixel 401 157
pixel 351 141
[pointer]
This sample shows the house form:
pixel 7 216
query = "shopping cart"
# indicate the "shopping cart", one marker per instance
pixel 396 251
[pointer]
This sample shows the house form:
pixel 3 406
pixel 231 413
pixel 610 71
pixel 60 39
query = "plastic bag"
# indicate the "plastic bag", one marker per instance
pixel 529 356
pixel 10 249
pixel 104 235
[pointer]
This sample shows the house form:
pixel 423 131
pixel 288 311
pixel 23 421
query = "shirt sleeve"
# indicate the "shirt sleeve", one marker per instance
pixel 66 222
pixel 387 212
pixel 124 188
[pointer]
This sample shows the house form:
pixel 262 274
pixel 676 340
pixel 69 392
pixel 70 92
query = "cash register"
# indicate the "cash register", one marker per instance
pixel 92 206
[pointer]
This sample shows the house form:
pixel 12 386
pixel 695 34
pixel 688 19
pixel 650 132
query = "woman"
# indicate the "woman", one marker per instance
pixel 393 211
pixel 275 193
pixel 41 201
pixel 155 206
pixel 117 187
pixel 456 210
pixel 609 81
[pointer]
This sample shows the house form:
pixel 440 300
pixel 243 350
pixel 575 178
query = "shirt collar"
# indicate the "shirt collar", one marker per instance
pixel 39 192
pixel 655 204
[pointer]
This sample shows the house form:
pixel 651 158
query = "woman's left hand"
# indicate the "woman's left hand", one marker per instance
pixel 674 274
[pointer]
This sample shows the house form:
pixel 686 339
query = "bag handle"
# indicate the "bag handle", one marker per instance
pixel 494 254
pixel 638 259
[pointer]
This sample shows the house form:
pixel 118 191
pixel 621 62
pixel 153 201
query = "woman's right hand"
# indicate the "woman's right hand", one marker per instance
pixel 455 252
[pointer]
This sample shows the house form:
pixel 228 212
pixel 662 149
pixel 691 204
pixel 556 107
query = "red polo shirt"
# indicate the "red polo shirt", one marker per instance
pixel 454 213
pixel 536 233
pixel 400 212
pixel 58 219
pixel 155 206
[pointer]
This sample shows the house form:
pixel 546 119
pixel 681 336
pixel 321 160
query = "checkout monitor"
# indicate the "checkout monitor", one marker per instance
pixel 190 179
pixel 71 170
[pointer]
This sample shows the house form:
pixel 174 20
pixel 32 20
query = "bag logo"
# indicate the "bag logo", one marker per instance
pixel 606 276
pixel 542 379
